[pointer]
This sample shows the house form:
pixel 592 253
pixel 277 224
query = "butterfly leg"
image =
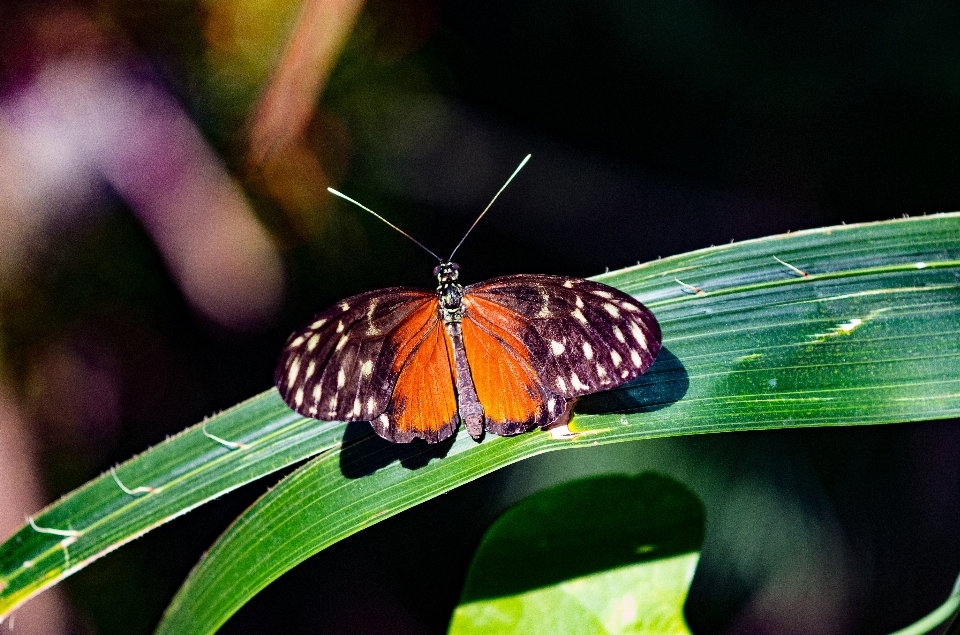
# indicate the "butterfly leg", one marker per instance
pixel 468 404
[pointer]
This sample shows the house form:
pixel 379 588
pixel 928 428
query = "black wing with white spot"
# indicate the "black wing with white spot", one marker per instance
pixel 583 336
pixel 339 367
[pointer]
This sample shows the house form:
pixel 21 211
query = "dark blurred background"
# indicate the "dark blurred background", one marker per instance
pixel 164 225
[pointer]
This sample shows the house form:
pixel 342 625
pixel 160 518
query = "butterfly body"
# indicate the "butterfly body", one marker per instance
pixel 503 355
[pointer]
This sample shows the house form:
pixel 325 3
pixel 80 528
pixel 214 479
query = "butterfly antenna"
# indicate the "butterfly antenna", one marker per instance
pixel 489 205
pixel 364 207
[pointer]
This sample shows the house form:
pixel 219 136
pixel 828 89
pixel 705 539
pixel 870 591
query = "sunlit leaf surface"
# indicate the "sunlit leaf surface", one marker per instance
pixel 859 326
pixel 608 555
pixel 869 336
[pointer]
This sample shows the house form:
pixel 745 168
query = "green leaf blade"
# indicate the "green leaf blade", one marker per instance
pixel 185 471
pixel 868 337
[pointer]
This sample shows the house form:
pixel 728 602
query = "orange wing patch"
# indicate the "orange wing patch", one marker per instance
pixel 512 394
pixel 424 404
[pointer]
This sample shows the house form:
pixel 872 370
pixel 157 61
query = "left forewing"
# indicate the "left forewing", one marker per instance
pixel 340 365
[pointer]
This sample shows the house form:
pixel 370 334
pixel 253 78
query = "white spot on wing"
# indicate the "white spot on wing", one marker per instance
pixel 603 294
pixel 568 284
pixel 318 323
pixel 551 403
pixel 371 404
pixel 340 327
pixel 343 340
pixel 629 307
pixel 625 374
pixel 639 336
pixel 576 383
pixel 561 384
pixel 356 407
pixel 577 314
pixel 316 392
pixel 619 334
pixel 612 310
pixel 579 302
pixel 299 398
pixel 341 379
pixel 545 307
pixel 557 347
pixel 635 358
pixel 601 371
pixel 297 342
pixel 333 404
pixel 310 368
pixel 294 369
pixel 366 369
pixel 615 356
pixel 312 344
pixel 344 306
pixel 587 350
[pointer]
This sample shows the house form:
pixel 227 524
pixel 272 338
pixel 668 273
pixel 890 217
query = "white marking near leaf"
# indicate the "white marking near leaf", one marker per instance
pixel 619 334
pixel 601 371
pixel 587 350
pixel 578 302
pixel 630 307
pixel 371 405
pixel 310 368
pixel 557 347
pixel 299 398
pixel 612 310
pixel 341 378
pixel 551 403
pixel 577 314
pixel 561 384
pixel 294 369
pixel 316 392
pixel 603 294
pixel 576 383
pixel 639 336
pixel 635 358
pixel 615 356
pixel 356 407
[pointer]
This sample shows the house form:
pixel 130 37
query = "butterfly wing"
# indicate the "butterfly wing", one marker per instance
pixel 563 337
pixel 423 403
pixel 350 360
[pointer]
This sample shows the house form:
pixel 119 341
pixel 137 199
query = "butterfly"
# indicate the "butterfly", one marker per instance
pixel 502 356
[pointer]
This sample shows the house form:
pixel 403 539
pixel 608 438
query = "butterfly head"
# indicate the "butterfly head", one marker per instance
pixel 447 272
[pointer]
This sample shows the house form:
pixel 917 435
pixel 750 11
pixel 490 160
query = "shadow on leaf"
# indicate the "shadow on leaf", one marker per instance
pixel 663 385
pixel 364 452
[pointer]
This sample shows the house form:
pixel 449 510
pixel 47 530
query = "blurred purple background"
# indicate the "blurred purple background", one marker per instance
pixel 164 225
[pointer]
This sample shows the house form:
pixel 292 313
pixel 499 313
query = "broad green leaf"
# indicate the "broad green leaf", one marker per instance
pixel 869 335
pixel 599 556
pixel 184 472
